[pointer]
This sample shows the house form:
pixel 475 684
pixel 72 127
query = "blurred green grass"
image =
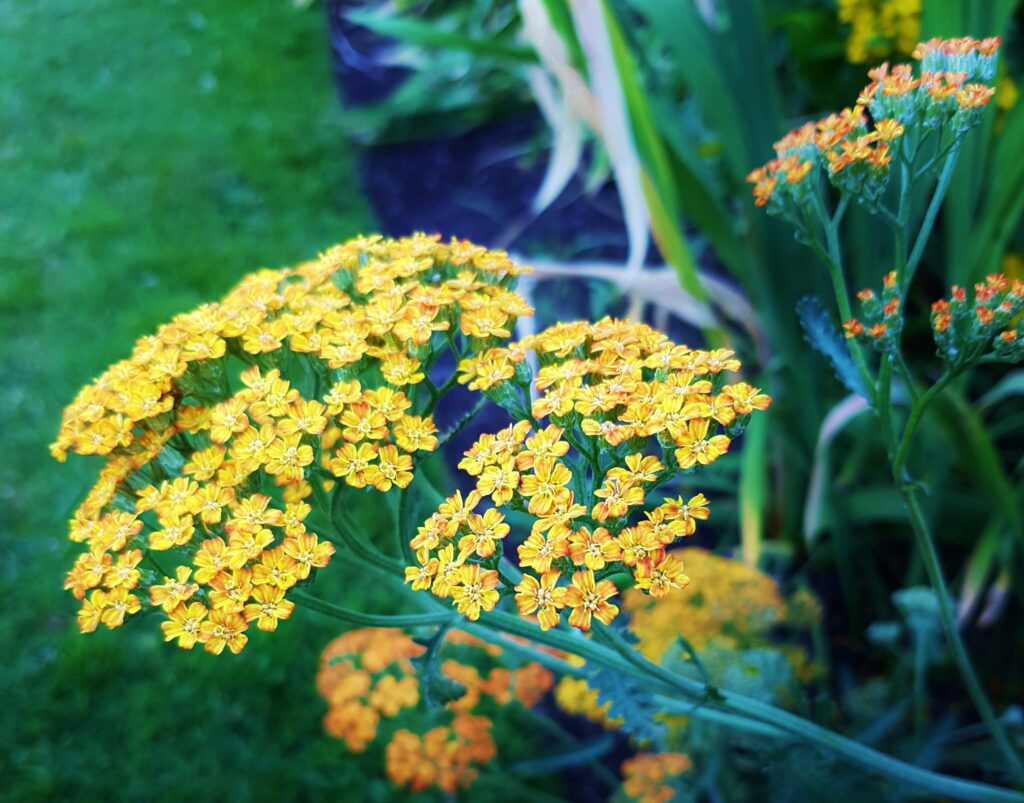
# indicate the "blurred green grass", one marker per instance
pixel 150 154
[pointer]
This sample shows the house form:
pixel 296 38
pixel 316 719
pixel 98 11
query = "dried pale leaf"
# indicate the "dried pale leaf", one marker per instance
pixel 836 420
pixel 660 286
pixel 978 570
pixel 567 142
pixel 613 116
pixel 540 34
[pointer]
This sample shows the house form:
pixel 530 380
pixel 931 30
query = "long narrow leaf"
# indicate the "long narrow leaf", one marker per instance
pixel 753 489
pixel 431 34
pixel 605 84
pixel 816 516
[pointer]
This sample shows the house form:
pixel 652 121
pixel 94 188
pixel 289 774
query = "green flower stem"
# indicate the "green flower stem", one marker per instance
pixel 926 548
pixel 584 754
pixel 749 712
pixel 352 536
pixel 673 706
pixel 833 259
pixel 361 619
pixel 748 709
pixel 804 729
pixel 405 524
pixel 930 215
pixel 903 449
pixel 536 720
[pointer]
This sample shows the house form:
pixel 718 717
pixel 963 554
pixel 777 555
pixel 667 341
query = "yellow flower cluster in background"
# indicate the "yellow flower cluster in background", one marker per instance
pixel 734 605
pixel 627 410
pixel 214 428
pixel 367 676
pixel 731 609
pixel 880 28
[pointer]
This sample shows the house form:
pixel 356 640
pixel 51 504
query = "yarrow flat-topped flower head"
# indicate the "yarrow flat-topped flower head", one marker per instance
pixel 216 425
pixel 855 148
pixel 627 410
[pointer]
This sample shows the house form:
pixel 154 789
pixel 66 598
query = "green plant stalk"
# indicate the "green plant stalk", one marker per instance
pixel 812 733
pixel 898 450
pixel 361 619
pixel 947 613
pixel 743 711
pixel 930 215
pixel 833 258
pixel 903 448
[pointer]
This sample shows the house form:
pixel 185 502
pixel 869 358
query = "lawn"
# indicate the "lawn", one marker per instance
pixel 150 154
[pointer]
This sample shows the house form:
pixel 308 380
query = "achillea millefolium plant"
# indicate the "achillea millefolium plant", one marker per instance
pixel 901 139
pixel 242 442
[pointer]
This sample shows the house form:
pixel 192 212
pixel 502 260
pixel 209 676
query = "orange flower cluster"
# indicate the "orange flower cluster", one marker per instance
pixel 445 757
pixel 628 410
pixel 645 777
pixel 950 93
pixel 988 326
pixel 214 426
pixel 368 675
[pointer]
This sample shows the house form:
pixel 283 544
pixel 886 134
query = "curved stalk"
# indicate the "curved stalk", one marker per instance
pixel 744 712
pixel 931 214
pixel 926 548
pixel 903 449
pixel 370 619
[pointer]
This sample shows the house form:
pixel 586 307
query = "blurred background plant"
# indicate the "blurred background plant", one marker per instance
pixel 150 156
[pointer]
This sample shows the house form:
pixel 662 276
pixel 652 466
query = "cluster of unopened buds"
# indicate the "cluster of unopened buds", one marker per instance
pixel 627 411
pixel 220 427
pixel 881 321
pixel 987 326
pixel 854 149
pixel 374 675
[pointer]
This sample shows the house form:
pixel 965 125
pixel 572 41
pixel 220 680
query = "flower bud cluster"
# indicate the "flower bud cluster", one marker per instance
pixel 855 150
pixel 881 320
pixel 989 325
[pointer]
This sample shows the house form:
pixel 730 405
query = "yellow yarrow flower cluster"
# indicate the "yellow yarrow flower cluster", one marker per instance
pixel 213 429
pixel 627 410
pixel 368 675
pixel 880 28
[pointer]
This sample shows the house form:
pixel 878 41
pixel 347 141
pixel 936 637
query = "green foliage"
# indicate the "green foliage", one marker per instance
pixel 822 335
pixel 150 155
